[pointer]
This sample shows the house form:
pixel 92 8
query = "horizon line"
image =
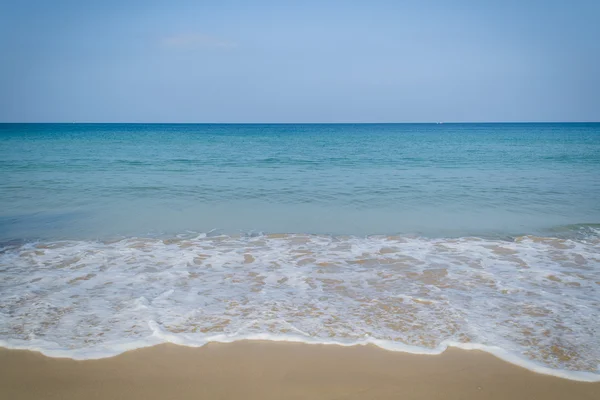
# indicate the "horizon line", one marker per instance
pixel 303 123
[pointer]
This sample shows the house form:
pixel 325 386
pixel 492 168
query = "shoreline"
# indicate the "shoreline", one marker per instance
pixel 170 339
pixel 266 369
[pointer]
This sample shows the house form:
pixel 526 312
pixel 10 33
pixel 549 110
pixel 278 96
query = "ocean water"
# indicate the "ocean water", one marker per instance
pixel 413 237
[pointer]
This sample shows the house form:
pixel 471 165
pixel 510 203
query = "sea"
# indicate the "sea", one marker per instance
pixel 410 237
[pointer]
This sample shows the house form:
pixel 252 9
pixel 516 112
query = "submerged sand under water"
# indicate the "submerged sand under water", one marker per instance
pixel 531 300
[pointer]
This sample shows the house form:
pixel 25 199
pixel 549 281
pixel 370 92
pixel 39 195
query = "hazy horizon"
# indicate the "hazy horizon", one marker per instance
pixel 300 123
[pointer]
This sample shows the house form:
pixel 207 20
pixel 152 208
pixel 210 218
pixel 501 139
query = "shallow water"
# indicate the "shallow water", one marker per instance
pixel 92 181
pixel 412 237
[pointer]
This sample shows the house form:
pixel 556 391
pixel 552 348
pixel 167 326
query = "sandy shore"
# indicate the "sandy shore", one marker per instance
pixel 268 370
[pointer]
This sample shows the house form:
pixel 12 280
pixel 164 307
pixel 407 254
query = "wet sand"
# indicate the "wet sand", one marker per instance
pixel 269 370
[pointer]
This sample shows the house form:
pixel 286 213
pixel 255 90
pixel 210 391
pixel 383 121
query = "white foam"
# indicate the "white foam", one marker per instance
pixel 530 302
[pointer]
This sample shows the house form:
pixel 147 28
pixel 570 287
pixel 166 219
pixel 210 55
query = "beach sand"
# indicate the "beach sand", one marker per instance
pixel 277 370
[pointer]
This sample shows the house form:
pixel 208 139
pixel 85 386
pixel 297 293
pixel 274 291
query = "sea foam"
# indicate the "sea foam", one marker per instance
pixel 531 301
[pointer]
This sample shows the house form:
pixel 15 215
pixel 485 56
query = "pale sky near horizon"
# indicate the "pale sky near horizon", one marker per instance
pixel 299 61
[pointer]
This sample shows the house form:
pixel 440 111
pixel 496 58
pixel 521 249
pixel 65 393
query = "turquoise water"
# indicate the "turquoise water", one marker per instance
pixel 101 180
pixel 412 237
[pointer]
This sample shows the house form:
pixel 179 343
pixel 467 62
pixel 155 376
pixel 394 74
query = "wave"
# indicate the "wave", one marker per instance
pixel 531 300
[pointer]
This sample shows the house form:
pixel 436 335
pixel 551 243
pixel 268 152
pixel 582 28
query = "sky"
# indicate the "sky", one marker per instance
pixel 299 61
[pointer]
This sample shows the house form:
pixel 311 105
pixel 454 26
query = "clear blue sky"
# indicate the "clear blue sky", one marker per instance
pixel 304 61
